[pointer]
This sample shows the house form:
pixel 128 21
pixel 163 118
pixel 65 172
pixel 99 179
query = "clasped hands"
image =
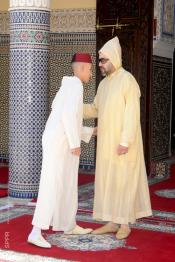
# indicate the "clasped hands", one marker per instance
pixel 120 149
pixel 77 151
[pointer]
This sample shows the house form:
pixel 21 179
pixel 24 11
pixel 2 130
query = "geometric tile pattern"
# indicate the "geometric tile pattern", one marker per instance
pixel 28 101
pixel 73 20
pixel 161 108
pixel 4 22
pixel 4 95
pixel 159 169
pixel 61 20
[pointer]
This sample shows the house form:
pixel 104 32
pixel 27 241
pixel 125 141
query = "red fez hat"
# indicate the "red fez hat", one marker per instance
pixel 82 57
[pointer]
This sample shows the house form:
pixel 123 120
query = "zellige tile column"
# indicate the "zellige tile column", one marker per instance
pixel 28 94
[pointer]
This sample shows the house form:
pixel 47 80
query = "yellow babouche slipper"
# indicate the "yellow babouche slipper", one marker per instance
pixel 79 231
pixel 123 233
pixel 105 229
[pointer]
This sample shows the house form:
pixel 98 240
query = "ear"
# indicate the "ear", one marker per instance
pixel 83 66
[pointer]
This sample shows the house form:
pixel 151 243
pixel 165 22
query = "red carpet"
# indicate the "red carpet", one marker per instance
pixel 85 178
pixel 82 178
pixel 163 203
pixel 149 246
pixel 3 180
pixel 172 170
pixel 4 173
pixel 141 246
pixel 3 192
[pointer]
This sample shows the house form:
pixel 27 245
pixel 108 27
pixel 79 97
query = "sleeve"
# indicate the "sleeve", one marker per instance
pixel 70 113
pixel 131 120
pixel 91 110
pixel 87 133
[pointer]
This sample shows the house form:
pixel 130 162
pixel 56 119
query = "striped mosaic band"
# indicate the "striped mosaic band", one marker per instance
pixel 29 29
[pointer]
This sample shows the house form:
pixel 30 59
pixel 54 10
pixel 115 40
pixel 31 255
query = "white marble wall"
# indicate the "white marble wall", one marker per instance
pixel 30 4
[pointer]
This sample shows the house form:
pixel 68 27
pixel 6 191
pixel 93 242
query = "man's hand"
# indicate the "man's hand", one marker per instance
pixel 122 150
pixel 76 151
pixel 95 131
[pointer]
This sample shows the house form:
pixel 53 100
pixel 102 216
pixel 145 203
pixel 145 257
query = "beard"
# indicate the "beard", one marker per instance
pixel 103 71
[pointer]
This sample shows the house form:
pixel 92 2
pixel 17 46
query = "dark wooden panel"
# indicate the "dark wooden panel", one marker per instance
pixel 161 108
pixel 110 9
pixel 173 110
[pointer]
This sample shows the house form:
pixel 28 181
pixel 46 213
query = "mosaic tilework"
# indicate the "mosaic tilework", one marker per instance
pixel 82 20
pixel 63 46
pixel 159 169
pixel 4 98
pixel 29 30
pixel 27 17
pixel 161 108
pixel 28 102
pixel 4 22
pixel 73 20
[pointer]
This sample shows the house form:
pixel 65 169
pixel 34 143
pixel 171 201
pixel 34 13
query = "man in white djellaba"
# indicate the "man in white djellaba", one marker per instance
pixel 57 201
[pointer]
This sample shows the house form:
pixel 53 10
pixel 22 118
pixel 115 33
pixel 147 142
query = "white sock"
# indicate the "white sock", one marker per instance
pixel 36 231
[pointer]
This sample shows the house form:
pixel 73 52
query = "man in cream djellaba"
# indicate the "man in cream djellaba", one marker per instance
pixel 121 188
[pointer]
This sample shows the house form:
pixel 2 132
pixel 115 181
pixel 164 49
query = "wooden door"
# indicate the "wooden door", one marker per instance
pixel 133 24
